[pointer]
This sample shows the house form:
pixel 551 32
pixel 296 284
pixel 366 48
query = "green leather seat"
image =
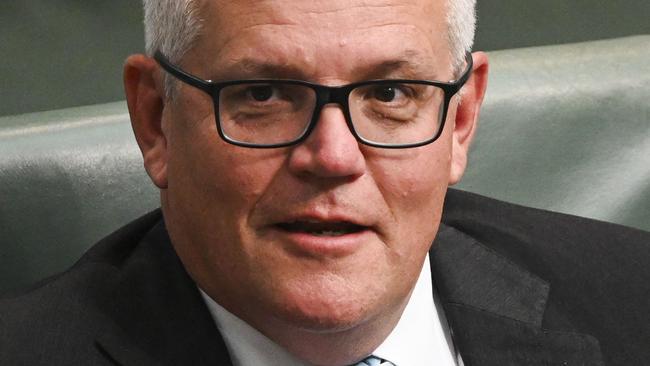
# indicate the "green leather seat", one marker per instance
pixel 67 178
pixel 565 128
pixel 85 42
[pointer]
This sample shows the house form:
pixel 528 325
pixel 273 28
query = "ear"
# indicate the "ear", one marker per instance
pixel 467 115
pixel 145 98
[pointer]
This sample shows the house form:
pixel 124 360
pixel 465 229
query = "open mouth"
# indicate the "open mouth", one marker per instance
pixel 319 228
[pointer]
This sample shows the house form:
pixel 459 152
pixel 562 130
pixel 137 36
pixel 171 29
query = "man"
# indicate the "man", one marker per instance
pixel 303 152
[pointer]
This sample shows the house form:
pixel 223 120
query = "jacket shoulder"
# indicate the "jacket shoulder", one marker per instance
pixel 524 233
pixel 598 272
pixel 58 315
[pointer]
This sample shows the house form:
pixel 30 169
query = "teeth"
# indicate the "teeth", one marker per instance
pixel 328 233
pixel 318 228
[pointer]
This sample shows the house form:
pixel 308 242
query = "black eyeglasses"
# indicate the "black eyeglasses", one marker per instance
pixel 268 113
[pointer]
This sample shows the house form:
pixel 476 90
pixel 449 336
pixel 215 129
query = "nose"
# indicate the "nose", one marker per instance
pixel 330 151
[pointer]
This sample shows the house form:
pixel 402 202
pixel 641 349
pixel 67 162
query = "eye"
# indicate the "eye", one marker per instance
pixel 388 93
pixel 261 93
pixel 384 94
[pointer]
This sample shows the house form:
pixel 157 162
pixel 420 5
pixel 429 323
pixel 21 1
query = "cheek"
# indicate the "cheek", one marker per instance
pixel 206 170
pixel 221 185
pixel 414 191
pixel 213 186
pixel 417 180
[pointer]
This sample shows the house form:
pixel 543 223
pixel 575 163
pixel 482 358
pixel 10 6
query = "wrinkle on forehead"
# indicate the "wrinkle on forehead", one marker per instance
pixel 318 35
pixel 290 12
pixel 410 64
pixel 366 14
pixel 320 8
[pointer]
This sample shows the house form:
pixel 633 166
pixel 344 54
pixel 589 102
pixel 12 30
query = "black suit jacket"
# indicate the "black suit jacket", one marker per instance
pixel 519 286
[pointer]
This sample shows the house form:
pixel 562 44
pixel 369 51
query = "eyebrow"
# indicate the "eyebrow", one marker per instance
pixel 409 65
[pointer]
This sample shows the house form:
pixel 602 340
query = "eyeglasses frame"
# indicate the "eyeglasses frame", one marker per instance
pixel 324 95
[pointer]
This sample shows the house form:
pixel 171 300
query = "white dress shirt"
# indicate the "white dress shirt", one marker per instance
pixel 418 338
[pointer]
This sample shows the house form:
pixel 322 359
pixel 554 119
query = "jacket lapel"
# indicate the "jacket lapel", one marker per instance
pixel 157 314
pixel 115 346
pixel 495 308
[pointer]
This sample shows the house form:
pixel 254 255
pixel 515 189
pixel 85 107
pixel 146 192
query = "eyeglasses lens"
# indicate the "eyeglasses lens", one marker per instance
pixel 275 113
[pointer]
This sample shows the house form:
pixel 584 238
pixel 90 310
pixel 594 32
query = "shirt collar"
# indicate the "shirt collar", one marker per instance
pixel 419 337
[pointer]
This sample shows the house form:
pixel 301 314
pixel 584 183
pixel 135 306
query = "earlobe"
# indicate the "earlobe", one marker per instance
pixel 467 115
pixel 145 99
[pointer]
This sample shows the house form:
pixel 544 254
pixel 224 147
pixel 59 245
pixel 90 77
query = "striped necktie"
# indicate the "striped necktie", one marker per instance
pixel 374 361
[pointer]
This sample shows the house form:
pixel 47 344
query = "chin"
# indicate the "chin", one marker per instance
pixel 325 309
pixel 324 318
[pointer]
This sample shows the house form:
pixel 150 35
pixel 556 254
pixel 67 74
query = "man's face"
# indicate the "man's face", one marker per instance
pixel 328 234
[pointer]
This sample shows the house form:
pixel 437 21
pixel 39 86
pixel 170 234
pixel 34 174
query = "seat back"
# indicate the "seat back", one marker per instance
pixel 567 128
pixel 67 178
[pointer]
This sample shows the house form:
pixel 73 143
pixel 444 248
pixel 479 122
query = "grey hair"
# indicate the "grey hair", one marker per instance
pixel 461 27
pixel 172 26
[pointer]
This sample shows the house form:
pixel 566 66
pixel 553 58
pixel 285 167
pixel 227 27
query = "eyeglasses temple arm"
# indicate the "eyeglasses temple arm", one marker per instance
pixel 466 73
pixel 182 75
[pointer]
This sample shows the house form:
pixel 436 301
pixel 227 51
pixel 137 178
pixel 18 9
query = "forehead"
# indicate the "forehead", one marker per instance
pixel 325 39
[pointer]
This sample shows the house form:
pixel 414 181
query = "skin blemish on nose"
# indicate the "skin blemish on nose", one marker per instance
pixel 343 42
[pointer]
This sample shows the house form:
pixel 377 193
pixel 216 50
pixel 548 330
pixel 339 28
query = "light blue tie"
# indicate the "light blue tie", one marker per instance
pixel 374 361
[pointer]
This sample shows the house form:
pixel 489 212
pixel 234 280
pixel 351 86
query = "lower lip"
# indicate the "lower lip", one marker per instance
pixel 307 244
